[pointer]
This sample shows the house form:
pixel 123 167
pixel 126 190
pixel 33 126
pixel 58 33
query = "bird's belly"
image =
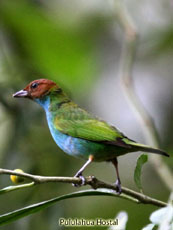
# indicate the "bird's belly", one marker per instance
pixel 70 145
pixel 83 148
pixel 74 146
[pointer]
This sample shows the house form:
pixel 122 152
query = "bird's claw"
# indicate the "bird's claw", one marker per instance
pixel 118 187
pixel 83 180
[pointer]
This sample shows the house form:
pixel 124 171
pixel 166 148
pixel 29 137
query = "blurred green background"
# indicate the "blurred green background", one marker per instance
pixel 78 44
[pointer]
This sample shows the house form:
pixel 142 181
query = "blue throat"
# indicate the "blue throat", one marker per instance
pixel 44 102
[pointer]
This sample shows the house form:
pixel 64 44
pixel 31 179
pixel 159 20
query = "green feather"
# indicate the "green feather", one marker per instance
pixel 76 122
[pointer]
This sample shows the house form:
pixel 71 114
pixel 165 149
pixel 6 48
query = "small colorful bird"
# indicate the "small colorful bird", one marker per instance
pixel 77 132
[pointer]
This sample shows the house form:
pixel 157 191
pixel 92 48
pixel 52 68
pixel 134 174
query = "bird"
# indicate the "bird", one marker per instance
pixel 78 132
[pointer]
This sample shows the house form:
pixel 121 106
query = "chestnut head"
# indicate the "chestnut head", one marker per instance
pixel 37 89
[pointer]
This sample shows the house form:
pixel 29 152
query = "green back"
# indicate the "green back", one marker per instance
pixel 76 122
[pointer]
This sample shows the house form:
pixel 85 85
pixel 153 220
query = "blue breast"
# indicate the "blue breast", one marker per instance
pixel 71 145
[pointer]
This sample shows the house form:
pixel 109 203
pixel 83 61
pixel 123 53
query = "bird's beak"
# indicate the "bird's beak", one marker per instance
pixel 21 93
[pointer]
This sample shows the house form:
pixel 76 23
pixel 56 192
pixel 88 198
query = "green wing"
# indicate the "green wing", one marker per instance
pixel 77 122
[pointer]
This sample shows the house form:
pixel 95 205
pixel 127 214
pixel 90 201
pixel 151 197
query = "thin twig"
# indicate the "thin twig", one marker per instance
pixel 127 62
pixel 92 181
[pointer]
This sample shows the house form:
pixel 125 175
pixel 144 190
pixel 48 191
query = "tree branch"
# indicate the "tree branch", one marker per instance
pixel 92 181
pixel 127 62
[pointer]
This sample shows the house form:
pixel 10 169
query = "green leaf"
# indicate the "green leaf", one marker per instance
pixel 20 213
pixel 137 174
pixel 15 187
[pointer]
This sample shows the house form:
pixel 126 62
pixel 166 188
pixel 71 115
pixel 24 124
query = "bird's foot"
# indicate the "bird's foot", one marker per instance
pixel 79 175
pixel 118 187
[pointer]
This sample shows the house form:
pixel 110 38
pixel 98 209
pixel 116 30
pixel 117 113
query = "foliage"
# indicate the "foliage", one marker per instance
pixel 138 170
pixel 18 214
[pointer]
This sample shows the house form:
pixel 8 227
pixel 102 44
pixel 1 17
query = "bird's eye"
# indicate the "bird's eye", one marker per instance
pixel 34 85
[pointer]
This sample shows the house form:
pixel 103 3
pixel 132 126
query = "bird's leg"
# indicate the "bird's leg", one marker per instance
pixel 118 181
pixel 79 173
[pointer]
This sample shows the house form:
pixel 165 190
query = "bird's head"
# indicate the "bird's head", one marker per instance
pixel 37 89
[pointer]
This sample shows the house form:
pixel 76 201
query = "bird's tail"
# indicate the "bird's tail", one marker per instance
pixel 146 148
